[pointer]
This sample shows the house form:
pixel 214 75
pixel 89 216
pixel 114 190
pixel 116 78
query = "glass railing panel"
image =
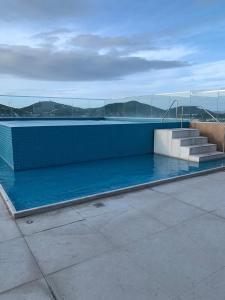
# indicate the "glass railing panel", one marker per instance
pixel 50 107
pixel 178 103
pixel 204 103
pixel 186 105
pixel 94 108
pixel 160 104
pixel 130 107
pixel 113 108
pixel 221 105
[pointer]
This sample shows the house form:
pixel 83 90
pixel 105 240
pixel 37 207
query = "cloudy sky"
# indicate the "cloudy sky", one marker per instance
pixel 108 48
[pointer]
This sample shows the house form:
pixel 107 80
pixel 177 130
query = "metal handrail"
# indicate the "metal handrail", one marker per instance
pixel 211 115
pixel 217 121
pixel 168 110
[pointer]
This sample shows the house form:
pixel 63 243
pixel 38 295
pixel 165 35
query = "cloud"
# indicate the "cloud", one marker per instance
pixel 212 71
pixel 196 77
pixel 50 38
pixel 172 53
pixel 101 42
pixel 36 10
pixel 117 45
pixel 52 33
pixel 46 64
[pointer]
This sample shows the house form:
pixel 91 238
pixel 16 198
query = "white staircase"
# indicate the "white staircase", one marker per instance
pixel 185 143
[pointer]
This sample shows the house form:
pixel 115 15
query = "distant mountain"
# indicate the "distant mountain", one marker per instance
pixel 54 109
pixel 118 109
pixel 8 111
pixel 132 109
pixel 50 108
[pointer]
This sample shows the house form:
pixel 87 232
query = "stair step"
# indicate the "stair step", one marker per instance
pixel 184 133
pixel 186 144
pixel 198 140
pixel 207 156
pixel 197 149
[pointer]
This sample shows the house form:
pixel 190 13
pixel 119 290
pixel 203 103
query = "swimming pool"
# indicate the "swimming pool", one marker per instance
pixel 48 163
pixel 39 187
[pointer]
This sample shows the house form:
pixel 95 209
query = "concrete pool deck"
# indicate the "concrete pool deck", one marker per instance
pixel 164 242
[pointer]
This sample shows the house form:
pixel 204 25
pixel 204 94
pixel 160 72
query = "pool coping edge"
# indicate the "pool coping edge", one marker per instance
pixel 81 200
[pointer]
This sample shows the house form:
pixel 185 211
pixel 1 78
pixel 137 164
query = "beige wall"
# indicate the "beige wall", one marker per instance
pixel 214 131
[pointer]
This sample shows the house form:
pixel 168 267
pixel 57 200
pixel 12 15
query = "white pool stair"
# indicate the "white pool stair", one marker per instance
pixel 185 143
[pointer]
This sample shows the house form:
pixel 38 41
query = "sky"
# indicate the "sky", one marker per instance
pixel 110 49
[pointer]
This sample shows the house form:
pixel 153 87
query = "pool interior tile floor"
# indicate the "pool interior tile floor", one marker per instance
pixel 163 243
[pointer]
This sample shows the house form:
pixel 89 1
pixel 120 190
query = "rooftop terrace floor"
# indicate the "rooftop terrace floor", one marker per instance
pixel 163 243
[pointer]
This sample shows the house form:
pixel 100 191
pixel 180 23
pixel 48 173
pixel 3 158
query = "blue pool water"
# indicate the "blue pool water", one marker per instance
pixel 33 188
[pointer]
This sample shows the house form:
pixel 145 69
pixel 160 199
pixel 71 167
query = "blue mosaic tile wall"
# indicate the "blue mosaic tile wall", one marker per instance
pixel 36 147
pixel 6 148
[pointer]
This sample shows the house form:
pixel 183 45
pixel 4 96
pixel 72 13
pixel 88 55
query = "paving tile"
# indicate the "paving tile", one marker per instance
pixel 144 197
pixel 35 290
pixel 207 195
pixel 40 222
pixel 173 212
pixel 213 288
pixel 103 206
pixel 17 265
pixel 220 212
pixel 8 227
pixel 178 186
pixel 208 233
pixel 126 226
pixel 218 176
pixel 67 245
pixel 3 209
pixel 165 208
pixel 175 260
pixel 111 276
